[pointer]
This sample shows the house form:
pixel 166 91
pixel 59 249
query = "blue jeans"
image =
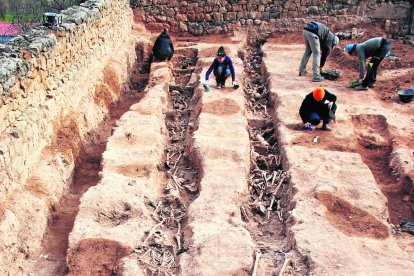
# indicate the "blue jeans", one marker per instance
pixel 221 73
pixel 323 114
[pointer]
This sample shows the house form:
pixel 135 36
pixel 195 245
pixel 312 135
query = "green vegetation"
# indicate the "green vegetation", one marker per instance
pixel 7 17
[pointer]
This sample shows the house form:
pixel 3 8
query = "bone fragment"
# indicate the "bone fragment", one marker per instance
pixel 258 254
pixel 287 259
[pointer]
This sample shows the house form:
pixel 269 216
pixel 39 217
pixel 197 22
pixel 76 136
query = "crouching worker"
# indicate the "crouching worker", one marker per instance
pixel 377 49
pixel 318 105
pixel 163 48
pixel 221 67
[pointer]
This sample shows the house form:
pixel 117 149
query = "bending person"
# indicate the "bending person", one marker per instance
pixel 377 49
pixel 319 41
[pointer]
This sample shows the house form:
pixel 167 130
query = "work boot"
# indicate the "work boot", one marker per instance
pixel 326 127
pixel 302 73
pixel 371 85
pixel 360 87
pixel 318 79
pixel 219 86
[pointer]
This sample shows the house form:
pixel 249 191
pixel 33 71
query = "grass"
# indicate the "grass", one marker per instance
pixel 7 17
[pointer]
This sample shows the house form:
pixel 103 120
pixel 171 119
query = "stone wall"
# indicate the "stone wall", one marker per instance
pixel 45 73
pixel 220 16
pixel 55 89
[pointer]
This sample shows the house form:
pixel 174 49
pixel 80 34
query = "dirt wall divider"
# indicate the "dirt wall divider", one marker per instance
pixel 114 215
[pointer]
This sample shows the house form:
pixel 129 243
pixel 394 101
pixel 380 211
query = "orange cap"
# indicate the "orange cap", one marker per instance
pixel 318 93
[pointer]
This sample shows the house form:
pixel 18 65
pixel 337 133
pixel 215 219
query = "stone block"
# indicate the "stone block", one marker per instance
pixel 230 16
pixel 242 15
pixel 181 17
pixel 218 16
pixel 15 91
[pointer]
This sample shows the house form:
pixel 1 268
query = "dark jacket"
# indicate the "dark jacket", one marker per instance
pixel 310 105
pixel 163 47
pixel 227 63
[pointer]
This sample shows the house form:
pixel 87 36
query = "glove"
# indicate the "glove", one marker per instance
pixel 235 85
pixel 353 84
pixel 329 103
pixel 321 70
pixel 308 126
pixel 206 86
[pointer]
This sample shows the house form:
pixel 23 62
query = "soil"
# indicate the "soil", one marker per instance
pixel 87 167
pixel 372 126
pixel 268 216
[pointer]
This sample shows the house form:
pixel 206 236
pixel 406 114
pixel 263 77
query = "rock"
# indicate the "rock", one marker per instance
pixel 15 132
pixel 406 198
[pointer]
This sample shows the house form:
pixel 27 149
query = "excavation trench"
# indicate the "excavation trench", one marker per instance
pixel 168 238
pixel 267 212
pixel 52 260
pixel 375 147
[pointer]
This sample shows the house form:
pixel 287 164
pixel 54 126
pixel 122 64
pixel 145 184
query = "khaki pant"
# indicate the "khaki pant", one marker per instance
pixel 312 47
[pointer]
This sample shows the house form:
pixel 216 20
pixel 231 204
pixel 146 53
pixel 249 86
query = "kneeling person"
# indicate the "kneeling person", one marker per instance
pixel 318 105
pixel 222 67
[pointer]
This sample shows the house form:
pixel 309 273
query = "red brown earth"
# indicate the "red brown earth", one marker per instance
pixel 338 205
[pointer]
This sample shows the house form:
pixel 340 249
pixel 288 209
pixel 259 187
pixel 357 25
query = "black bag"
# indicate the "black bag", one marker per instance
pixel 331 74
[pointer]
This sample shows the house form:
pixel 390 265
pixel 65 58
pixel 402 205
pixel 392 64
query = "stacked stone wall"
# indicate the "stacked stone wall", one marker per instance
pixel 45 73
pixel 219 16
pixel 56 86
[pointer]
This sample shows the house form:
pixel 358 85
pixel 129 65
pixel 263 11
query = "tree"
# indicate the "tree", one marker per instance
pixel 25 13
pixel 58 5
pixel 3 8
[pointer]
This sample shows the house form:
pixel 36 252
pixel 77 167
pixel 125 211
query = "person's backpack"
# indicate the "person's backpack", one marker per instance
pixel 312 26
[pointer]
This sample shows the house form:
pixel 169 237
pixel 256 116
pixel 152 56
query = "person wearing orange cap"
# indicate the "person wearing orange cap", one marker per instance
pixel 318 105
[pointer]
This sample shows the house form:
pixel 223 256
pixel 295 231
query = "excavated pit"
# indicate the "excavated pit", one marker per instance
pixel 375 147
pixel 88 152
pixel 267 212
pixel 160 250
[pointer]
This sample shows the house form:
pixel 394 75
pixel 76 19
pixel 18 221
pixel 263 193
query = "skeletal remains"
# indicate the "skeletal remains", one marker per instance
pixel 267 181
pixel 157 251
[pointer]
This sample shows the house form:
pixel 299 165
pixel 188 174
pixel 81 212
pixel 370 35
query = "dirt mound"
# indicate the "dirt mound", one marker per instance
pixel 221 107
pixel 96 257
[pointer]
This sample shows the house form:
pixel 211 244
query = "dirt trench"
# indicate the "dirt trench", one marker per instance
pixel 268 210
pixel 87 166
pixel 160 249
pixel 168 241
pixel 375 147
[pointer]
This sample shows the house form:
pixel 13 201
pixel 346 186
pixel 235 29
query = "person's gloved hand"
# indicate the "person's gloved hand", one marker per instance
pixel 206 86
pixel 329 103
pixel 235 85
pixel 308 126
